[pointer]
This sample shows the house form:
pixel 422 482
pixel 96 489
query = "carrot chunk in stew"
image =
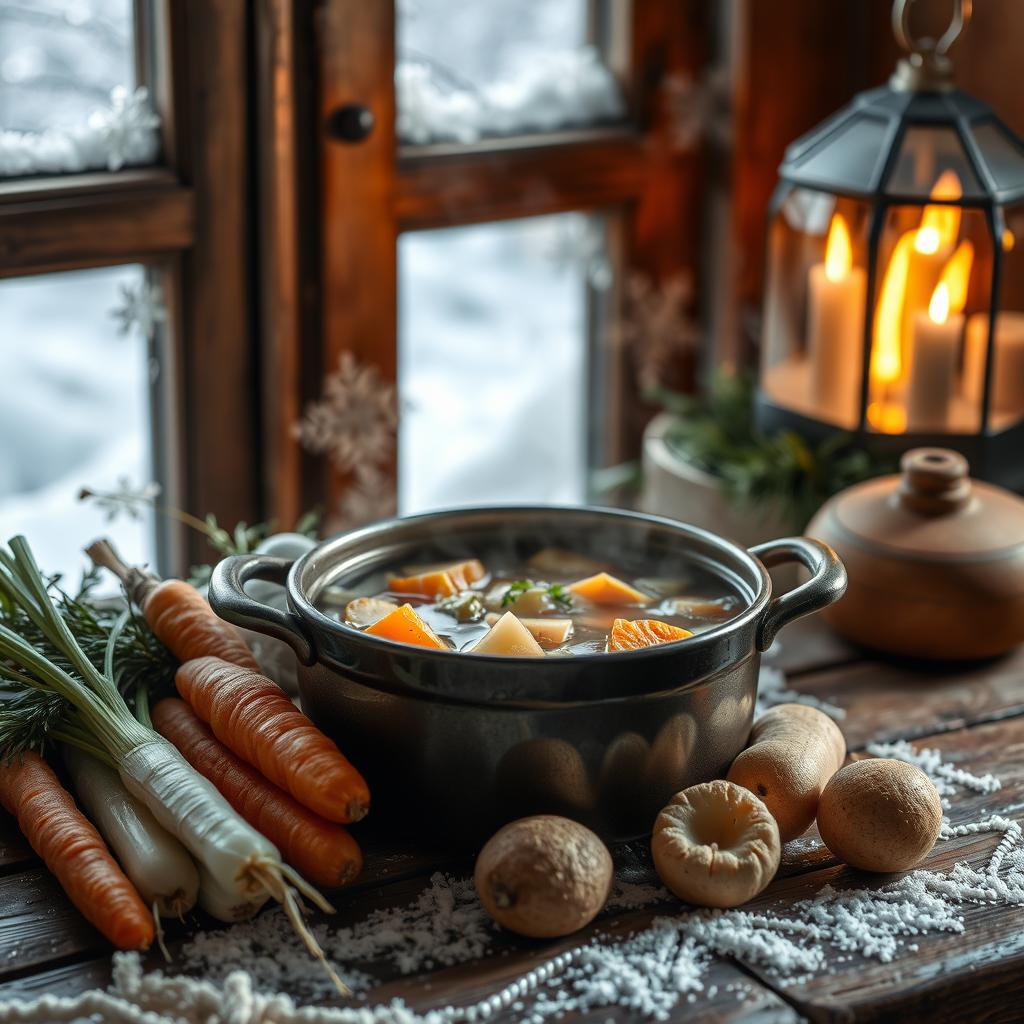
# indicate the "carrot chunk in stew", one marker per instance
pixel 631 635
pixel 603 588
pixel 405 626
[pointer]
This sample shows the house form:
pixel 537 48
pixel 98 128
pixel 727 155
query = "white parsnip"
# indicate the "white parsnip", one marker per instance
pixel 245 866
pixel 194 811
pixel 223 904
pixel 157 863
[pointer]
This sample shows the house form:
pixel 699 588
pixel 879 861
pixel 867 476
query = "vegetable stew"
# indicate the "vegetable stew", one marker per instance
pixel 555 602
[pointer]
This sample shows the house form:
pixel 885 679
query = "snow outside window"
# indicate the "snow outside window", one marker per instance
pixel 467 69
pixel 494 361
pixel 69 101
pixel 75 410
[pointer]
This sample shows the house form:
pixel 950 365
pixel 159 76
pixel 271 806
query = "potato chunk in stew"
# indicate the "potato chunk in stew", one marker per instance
pixel 541 601
pixel 510 637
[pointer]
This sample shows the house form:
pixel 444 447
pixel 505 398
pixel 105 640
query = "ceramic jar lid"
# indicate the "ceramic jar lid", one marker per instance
pixel 932 511
pixel 935 560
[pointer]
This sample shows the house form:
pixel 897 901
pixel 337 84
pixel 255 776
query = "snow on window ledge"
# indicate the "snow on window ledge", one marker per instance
pixel 559 89
pixel 125 134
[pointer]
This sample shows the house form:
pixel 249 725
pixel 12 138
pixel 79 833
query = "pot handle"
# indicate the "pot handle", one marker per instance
pixel 826 585
pixel 230 601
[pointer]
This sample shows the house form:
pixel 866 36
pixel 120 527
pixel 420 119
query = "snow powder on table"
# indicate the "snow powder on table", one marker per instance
pixel 772 690
pixel 948 779
pixel 648 972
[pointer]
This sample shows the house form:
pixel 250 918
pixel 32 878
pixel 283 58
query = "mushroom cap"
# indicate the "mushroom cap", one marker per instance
pixel 880 815
pixel 716 844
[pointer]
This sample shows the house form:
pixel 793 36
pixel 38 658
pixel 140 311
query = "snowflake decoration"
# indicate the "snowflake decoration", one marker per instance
pixel 127 133
pixel 355 420
pixel 698 109
pixel 128 128
pixel 579 243
pixel 370 495
pixel 125 499
pixel 656 325
pixel 141 310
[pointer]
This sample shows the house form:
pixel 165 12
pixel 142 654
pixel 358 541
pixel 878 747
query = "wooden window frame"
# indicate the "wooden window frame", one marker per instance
pixel 375 190
pixel 187 218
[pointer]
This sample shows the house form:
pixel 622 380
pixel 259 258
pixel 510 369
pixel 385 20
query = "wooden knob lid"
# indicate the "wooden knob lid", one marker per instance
pixel 936 481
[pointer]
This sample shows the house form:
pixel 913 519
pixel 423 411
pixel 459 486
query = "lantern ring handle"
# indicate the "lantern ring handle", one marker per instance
pixel 962 10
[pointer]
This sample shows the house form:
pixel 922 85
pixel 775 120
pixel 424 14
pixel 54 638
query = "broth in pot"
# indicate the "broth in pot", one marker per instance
pixel 554 603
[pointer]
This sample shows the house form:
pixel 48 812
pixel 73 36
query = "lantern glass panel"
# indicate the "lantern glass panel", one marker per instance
pixel 928 158
pixel 1002 155
pixel 1006 402
pixel 934 278
pixel 848 158
pixel 813 350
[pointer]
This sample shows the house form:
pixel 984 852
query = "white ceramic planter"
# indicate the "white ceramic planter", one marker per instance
pixel 676 488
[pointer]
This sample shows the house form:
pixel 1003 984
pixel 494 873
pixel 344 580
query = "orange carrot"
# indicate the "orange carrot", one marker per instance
pixel 322 852
pixel 189 628
pixel 253 717
pixel 176 612
pixel 73 850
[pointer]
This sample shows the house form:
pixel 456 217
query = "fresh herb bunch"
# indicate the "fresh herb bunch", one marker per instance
pixel 717 434
pixel 112 636
pixel 559 594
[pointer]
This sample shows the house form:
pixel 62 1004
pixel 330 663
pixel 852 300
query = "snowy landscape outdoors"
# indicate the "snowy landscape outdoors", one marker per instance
pixel 494 350
pixel 76 375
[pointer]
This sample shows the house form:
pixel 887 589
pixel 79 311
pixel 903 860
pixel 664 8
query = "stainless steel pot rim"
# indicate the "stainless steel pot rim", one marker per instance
pixel 572 663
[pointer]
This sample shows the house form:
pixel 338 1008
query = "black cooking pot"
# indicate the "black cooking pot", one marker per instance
pixel 472 741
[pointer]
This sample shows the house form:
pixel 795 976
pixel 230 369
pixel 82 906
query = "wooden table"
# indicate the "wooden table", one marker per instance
pixel 974 715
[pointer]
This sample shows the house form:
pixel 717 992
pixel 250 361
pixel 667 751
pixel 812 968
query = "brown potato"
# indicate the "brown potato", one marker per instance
pixel 880 815
pixel 794 750
pixel 544 876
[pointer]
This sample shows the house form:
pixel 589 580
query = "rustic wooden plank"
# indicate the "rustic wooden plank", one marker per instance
pixel 486 184
pixel 809 645
pixel 14 849
pixel 83 230
pixel 892 699
pixel 358 255
pixel 220 453
pixel 978 975
pixel 38 924
pixel 63 186
pixel 729 993
pixel 66 980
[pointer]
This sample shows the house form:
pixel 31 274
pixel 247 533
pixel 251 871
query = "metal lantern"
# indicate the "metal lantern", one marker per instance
pixel 894 299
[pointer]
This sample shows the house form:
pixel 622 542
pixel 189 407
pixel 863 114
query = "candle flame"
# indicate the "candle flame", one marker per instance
pixel 887 417
pixel 938 230
pixel 940 224
pixel 1008 240
pixel 956 276
pixel 838 250
pixel 938 308
pixel 887 354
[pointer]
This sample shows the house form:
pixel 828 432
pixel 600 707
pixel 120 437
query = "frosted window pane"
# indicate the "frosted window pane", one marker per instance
pixel 59 60
pixel 492 364
pixel 468 69
pixel 75 412
pixel 68 101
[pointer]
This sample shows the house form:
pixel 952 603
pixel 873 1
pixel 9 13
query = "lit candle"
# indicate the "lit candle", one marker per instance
pixel 933 242
pixel 835 327
pixel 1007 366
pixel 936 346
